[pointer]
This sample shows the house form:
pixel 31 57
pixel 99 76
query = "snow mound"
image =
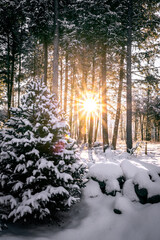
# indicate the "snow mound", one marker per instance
pixel 129 191
pixel 122 205
pixel 92 189
pixel 112 186
pixel 105 171
pixel 131 168
pixel 130 178
pixel 144 182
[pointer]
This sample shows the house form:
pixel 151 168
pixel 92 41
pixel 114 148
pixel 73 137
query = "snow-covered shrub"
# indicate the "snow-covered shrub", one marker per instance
pixel 109 176
pixel 39 171
pixel 129 179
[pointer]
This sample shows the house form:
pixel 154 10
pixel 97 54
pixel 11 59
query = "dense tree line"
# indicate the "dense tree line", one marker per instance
pixel 85 46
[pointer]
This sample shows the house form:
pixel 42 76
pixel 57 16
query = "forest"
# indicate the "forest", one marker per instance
pixel 79 119
pixel 100 59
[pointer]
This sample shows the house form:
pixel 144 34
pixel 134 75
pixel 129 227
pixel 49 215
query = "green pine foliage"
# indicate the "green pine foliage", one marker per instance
pixel 39 171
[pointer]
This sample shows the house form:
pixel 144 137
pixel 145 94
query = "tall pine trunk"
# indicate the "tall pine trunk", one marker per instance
pixel 19 80
pixel 11 90
pixel 8 74
pixel 56 48
pixel 45 48
pixel 90 137
pixel 129 80
pixel 96 129
pixel 82 116
pixel 66 84
pixel 116 124
pixel 148 123
pixel 104 100
pixel 136 127
pixel 71 102
pixel 61 82
pixel 141 125
pixel 121 127
pixel 34 65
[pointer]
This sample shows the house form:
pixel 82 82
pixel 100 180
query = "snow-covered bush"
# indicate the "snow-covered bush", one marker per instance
pixel 128 180
pixel 39 171
pixel 109 176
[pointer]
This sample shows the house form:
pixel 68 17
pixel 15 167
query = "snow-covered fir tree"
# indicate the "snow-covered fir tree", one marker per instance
pixel 39 171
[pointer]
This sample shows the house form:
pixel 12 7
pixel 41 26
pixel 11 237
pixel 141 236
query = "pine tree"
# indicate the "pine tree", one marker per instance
pixel 39 172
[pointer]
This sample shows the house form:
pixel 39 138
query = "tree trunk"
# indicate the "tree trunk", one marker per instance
pixel 8 74
pixel 141 123
pixel 148 124
pixel 129 80
pixel 158 133
pixel 136 127
pixel 116 125
pixel 34 65
pixel 45 47
pixel 90 137
pixel 76 133
pixel 104 100
pixel 61 79
pixel 56 48
pixel 71 102
pixel 19 80
pixel 121 127
pixel 11 82
pixel 66 84
pixel 13 96
pixel 12 77
pixel 96 130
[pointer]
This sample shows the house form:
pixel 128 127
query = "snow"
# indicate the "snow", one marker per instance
pixel 128 190
pixel 105 171
pixel 92 189
pixel 144 181
pixel 131 168
pixel 112 185
pixel 123 204
pixel 94 217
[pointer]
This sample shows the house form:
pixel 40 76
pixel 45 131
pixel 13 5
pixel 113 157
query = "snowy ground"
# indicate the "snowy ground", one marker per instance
pixel 93 218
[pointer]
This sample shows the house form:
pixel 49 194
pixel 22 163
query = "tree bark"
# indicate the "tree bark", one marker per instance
pixel 61 80
pixel 148 124
pixel 96 130
pixel 8 74
pixel 11 82
pixel 116 125
pixel 71 102
pixel 136 127
pixel 104 100
pixel 45 47
pixel 19 80
pixel 11 100
pixel 141 125
pixel 66 84
pixel 129 80
pixel 90 137
pixel 34 65
pixel 121 127
pixel 56 49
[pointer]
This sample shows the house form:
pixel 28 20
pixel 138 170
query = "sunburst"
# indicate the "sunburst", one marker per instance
pixel 89 104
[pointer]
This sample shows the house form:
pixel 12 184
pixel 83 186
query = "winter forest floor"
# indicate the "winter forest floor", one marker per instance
pixel 93 218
